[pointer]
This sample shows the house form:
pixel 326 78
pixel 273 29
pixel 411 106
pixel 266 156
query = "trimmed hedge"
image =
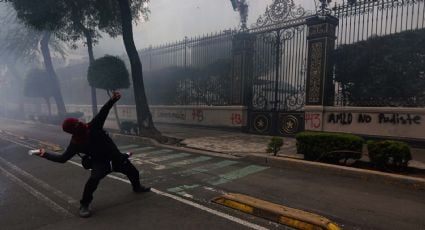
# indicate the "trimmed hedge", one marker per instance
pixel 331 147
pixel 389 154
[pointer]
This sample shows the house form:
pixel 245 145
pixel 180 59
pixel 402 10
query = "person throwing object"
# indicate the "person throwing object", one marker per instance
pixel 92 140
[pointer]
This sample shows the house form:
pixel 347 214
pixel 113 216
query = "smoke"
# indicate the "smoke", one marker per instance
pixel 242 7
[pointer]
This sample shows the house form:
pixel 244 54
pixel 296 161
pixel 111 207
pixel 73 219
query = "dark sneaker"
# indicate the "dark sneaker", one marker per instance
pixel 141 189
pixel 84 211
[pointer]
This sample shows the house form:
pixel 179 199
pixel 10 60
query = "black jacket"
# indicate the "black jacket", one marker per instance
pixel 99 145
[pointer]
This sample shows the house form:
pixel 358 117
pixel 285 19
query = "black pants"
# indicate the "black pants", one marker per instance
pixel 101 169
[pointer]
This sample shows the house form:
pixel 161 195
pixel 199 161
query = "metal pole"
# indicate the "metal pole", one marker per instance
pixel 276 88
pixel 185 52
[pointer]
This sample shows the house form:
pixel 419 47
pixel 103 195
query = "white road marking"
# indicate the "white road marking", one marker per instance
pixel 214 190
pixel 41 183
pixel 48 202
pixel 187 195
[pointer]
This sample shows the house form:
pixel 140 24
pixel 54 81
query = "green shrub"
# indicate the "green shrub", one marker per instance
pixel 389 154
pixel 274 145
pixel 329 146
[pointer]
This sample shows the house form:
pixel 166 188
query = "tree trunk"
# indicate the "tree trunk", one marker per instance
pixel 144 117
pixel 89 40
pixel 49 108
pixel 57 94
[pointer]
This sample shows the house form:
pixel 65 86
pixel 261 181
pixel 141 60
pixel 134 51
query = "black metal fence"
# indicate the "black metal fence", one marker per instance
pixel 201 70
pixel 182 73
pixel 365 22
pixel 279 69
pixel 364 19
pixel 190 52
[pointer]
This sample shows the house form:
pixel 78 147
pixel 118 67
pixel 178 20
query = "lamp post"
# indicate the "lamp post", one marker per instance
pixel 242 7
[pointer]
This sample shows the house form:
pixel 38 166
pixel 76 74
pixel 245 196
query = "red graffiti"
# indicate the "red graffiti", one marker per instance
pixel 198 114
pixel 236 118
pixel 313 120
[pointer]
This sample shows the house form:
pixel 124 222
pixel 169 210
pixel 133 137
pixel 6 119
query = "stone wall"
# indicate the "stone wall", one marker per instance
pixel 374 121
pixel 217 116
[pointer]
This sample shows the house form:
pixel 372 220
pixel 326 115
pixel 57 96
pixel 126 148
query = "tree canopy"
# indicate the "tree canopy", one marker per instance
pixel 39 15
pixel 114 17
pixel 20 43
pixel 387 70
pixel 70 20
pixel 108 73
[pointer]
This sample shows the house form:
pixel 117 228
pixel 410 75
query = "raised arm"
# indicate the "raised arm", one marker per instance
pixel 99 120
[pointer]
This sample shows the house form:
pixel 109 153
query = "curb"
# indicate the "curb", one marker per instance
pixel 317 167
pixel 310 166
pixel 150 141
pixel 295 218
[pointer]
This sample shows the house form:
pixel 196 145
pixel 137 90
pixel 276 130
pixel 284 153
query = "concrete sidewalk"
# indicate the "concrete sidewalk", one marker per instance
pixel 241 144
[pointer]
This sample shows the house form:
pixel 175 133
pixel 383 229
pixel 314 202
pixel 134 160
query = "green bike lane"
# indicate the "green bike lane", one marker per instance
pixel 350 202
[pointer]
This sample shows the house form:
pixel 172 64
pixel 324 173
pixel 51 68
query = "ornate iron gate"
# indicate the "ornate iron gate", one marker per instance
pixel 277 81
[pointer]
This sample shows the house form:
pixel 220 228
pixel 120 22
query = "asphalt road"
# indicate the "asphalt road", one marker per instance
pixel 38 194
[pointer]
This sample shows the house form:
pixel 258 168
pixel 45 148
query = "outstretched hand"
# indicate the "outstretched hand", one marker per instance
pixel 42 152
pixel 116 95
pixel 37 152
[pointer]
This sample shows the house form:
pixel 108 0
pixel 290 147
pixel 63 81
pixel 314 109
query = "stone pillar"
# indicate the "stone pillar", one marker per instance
pixel 321 44
pixel 242 54
pixel 320 88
